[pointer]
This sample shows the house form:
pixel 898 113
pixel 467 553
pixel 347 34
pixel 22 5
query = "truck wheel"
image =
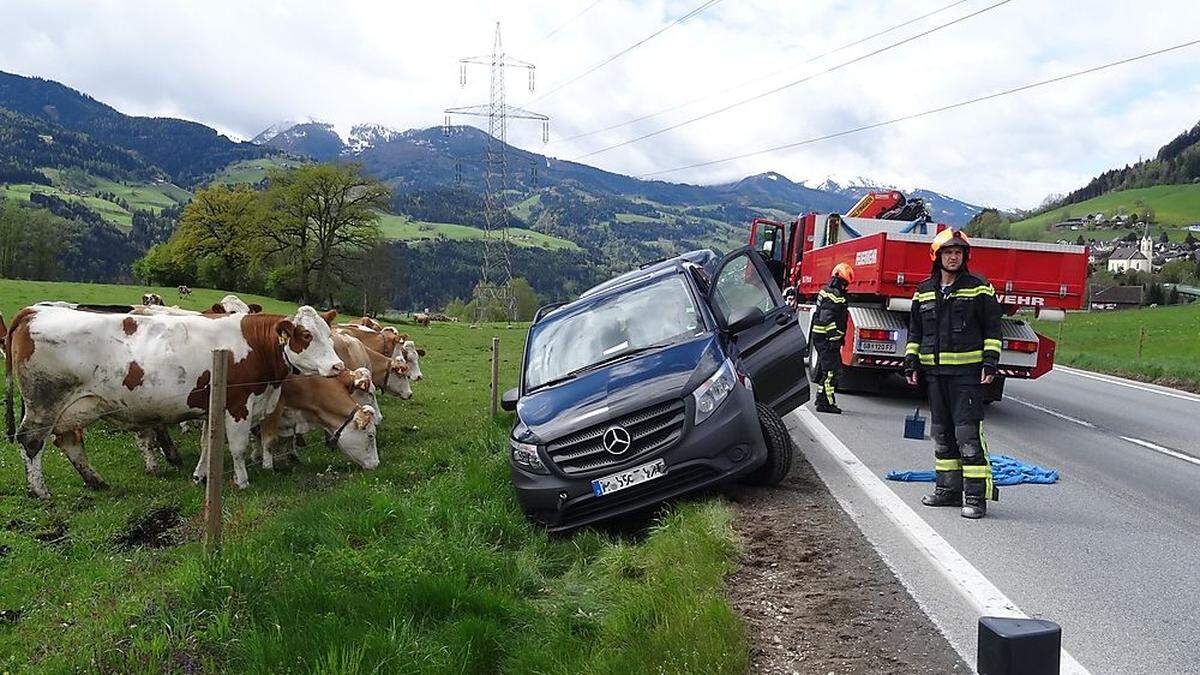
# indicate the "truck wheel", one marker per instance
pixel 779 449
pixel 994 391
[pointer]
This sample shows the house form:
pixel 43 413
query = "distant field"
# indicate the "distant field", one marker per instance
pixel 1108 342
pixel 402 228
pixel 82 188
pixel 251 171
pixel 1173 206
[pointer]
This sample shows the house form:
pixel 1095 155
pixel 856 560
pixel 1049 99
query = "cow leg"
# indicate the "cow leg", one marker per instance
pixel 71 443
pixel 167 445
pixel 32 441
pixel 238 437
pixel 201 472
pixel 146 445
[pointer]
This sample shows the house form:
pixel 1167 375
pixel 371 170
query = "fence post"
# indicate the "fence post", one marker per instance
pixel 495 373
pixel 1141 342
pixel 214 441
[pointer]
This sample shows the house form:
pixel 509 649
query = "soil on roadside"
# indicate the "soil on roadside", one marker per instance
pixel 815 595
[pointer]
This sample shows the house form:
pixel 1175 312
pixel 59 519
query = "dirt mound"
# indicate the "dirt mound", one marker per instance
pixel 157 529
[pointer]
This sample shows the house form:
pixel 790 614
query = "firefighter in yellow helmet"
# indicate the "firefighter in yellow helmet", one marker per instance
pixel 828 333
pixel 954 343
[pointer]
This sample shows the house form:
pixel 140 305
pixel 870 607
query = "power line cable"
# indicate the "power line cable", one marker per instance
pixel 776 90
pixel 765 77
pixel 698 9
pixel 570 21
pixel 931 111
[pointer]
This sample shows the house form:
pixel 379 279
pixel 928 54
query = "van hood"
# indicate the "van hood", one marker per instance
pixel 618 389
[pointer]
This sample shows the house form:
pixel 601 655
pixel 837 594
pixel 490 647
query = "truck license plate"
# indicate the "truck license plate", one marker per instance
pixel 629 477
pixel 876 347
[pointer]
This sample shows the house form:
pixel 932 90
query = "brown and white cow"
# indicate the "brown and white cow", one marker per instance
pixel 184 291
pixel 153 299
pixel 388 342
pixel 389 373
pixel 141 372
pixel 421 319
pixel 340 406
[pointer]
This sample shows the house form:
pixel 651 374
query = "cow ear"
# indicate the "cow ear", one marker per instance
pixel 217 308
pixel 284 330
pixel 255 308
pixel 403 337
pixel 420 351
pixel 329 316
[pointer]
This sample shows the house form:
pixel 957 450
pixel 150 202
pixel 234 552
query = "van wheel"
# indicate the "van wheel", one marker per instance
pixel 779 449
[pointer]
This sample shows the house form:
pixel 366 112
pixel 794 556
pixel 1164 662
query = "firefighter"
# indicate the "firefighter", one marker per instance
pixel 828 332
pixel 954 342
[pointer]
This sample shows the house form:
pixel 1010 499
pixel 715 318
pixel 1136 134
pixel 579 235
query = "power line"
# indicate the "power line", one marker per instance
pixel 700 8
pixel 767 76
pixel 931 111
pixel 793 83
pixel 570 21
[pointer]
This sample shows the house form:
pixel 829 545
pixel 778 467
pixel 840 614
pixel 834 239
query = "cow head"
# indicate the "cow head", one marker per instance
pixel 397 382
pixel 152 299
pixel 412 356
pixel 234 305
pixel 357 437
pixel 308 343
pixel 255 308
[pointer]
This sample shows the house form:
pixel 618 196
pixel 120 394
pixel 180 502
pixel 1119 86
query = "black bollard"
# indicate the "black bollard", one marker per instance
pixel 1018 646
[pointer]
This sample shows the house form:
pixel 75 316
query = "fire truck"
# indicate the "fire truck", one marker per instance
pixel 886 238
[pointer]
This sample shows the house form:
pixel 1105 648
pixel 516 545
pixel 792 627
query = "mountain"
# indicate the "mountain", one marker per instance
pixel 29 144
pixel 317 140
pixel 942 208
pixel 186 151
pixel 776 190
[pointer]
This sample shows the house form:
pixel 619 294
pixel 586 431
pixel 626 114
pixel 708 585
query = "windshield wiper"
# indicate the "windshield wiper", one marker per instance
pixel 619 356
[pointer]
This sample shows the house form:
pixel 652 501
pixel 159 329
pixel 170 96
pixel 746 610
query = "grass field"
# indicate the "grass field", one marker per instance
pixel 424 565
pixel 1108 342
pixel 1173 205
pixel 251 171
pixel 402 228
pixel 82 188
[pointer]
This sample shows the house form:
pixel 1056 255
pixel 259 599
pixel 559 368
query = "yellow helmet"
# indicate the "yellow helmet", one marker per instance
pixel 947 238
pixel 845 271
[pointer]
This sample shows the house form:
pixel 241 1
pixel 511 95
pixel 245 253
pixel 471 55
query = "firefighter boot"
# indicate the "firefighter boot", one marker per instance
pixel 974 507
pixel 823 407
pixel 943 497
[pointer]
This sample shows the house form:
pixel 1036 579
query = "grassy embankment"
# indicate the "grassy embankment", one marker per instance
pixel 1108 342
pixel 1174 206
pixel 424 565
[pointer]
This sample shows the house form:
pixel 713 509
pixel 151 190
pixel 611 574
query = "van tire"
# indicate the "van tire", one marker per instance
pixel 779 449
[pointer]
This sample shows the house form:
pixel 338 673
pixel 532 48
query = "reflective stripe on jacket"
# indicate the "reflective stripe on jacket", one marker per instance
pixel 829 319
pixel 955 332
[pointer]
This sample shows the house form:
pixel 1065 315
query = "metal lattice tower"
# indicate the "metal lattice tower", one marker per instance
pixel 496 272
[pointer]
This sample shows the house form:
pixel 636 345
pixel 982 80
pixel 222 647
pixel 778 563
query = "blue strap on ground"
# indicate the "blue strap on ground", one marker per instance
pixel 1005 471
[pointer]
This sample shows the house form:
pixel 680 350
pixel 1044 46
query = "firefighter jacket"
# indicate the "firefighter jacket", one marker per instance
pixel 829 319
pixel 954 333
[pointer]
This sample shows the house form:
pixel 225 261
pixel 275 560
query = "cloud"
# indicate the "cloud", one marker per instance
pixel 241 66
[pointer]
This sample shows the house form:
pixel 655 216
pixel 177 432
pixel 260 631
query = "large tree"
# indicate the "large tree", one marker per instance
pixel 216 231
pixel 321 219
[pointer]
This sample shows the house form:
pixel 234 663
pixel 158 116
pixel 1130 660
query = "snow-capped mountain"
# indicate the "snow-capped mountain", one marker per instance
pixel 365 136
pixel 273 131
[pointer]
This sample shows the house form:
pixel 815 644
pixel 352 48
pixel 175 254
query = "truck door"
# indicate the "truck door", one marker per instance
pixel 769 341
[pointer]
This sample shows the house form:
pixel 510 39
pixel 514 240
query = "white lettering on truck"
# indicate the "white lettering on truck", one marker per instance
pixel 1020 300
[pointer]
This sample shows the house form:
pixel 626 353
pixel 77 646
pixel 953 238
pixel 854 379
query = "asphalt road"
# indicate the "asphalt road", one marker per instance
pixel 1111 552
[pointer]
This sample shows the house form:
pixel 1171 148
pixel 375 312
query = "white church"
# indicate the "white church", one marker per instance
pixel 1137 258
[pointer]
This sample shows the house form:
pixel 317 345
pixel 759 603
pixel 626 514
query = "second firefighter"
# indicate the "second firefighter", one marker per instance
pixel 828 334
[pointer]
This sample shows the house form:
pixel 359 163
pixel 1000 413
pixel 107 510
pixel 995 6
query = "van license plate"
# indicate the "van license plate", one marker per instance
pixel 629 477
pixel 876 347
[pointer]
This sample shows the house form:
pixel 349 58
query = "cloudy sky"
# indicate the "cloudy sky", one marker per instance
pixel 241 66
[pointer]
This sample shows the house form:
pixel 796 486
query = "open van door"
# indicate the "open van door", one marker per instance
pixel 770 343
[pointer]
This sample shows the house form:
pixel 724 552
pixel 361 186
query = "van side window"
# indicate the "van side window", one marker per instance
pixel 739 286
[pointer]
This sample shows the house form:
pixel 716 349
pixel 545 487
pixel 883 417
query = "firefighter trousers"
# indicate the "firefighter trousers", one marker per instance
pixel 828 370
pixel 956 425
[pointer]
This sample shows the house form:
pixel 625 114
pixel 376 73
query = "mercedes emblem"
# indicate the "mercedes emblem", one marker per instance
pixel 616 440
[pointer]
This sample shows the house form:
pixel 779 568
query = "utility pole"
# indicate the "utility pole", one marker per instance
pixel 496 272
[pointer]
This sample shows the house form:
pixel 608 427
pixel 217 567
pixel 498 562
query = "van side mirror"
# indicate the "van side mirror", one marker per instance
pixel 746 318
pixel 508 400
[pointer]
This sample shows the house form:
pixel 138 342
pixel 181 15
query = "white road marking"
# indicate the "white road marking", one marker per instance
pixel 1120 381
pixel 984 596
pixel 1048 411
pixel 1158 448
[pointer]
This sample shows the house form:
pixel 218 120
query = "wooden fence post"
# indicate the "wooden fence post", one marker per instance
pixel 1141 342
pixel 214 441
pixel 495 373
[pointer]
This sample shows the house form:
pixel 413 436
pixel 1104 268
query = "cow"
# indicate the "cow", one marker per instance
pixel 370 323
pixel 153 299
pixel 389 373
pixel 421 319
pixel 335 405
pixel 142 372
pixel 388 342
pixel 184 291
pixel 232 304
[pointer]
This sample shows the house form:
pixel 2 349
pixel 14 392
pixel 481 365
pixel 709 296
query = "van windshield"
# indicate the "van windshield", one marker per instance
pixel 655 315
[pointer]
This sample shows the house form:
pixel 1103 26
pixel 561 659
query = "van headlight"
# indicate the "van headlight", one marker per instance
pixel 525 455
pixel 715 389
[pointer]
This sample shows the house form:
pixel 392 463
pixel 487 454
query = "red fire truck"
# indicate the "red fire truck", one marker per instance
pixel 890 257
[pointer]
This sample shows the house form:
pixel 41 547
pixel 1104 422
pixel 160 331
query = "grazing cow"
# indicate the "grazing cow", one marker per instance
pixel 142 372
pixel 390 374
pixel 153 299
pixel 332 404
pixel 184 291
pixel 421 319
pixel 370 323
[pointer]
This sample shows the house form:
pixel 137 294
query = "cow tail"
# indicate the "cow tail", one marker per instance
pixel 10 423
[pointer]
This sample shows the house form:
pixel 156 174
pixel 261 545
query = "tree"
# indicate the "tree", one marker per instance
pixel 322 218
pixel 1190 240
pixel 218 224
pixel 526 299
pixel 12 223
pixel 1079 241
pixel 1163 238
pixel 1155 295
